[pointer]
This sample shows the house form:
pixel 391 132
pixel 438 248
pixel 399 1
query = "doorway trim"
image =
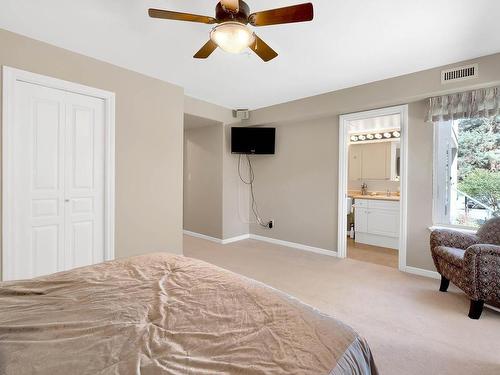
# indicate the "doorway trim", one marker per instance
pixel 344 120
pixel 10 77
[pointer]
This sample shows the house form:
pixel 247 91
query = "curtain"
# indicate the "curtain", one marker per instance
pixel 464 105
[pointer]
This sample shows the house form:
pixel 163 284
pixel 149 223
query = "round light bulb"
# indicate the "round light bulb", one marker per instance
pixel 378 136
pixel 387 135
pixel 362 137
pixel 396 134
pixel 232 37
pixel 369 136
pixel 354 138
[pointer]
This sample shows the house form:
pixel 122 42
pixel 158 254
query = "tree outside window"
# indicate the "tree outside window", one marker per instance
pixel 468 171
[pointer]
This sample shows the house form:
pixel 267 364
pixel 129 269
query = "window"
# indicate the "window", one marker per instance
pixel 466 171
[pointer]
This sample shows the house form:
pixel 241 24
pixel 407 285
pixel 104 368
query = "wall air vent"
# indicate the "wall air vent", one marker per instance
pixel 460 73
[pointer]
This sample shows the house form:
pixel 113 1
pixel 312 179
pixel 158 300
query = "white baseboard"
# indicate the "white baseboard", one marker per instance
pixel 492 307
pixel 299 246
pixel 202 236
pixel 217 240
pixel 294 245
pixel 422 272
pixel 236 239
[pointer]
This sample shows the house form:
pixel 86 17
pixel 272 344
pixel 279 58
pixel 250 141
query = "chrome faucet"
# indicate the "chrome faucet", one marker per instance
pixel 364 188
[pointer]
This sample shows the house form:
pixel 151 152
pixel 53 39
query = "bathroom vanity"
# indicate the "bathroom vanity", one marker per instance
pixel 376 220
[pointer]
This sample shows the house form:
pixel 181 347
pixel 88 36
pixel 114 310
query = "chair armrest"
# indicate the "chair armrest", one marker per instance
pixel 482 272
pixel 483 250
pixel 453 238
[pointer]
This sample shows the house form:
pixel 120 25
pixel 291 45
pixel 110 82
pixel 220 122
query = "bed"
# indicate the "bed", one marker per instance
pixel 166 314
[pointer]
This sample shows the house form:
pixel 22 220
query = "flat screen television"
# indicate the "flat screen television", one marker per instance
pixel 253 140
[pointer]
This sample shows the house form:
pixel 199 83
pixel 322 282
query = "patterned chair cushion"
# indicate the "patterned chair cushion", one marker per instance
pixel 489 233
pixel 451 255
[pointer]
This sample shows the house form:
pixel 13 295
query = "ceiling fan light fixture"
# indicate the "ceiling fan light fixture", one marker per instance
pixel 232 37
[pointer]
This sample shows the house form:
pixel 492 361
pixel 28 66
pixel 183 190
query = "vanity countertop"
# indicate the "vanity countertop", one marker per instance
pixel 377 196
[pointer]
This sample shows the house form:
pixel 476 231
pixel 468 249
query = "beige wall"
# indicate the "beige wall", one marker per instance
pixel 420 165
pixel 203 180
pixel 298 186
pixel 235 195
pixel 409 88
pixel 149 131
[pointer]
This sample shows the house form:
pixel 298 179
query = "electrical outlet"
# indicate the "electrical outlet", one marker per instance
pixel 270 224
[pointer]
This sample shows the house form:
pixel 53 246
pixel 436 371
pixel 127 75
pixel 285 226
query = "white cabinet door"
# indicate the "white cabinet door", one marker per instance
pixel 58 181
pixel 361 219
pixel 383 222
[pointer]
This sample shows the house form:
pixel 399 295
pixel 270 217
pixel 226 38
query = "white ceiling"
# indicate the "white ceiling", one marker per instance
pixel 348 43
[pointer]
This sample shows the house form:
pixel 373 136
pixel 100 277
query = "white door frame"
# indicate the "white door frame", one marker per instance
pixel 344 120
pixel 10 77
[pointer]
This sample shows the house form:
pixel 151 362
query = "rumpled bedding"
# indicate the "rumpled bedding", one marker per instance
pixel 166 314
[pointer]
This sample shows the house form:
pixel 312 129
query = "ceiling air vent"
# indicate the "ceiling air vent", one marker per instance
pixel 460 73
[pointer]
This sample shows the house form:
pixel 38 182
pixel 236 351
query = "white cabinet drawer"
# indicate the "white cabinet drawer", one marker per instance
pixel 361 202
pixel 383 205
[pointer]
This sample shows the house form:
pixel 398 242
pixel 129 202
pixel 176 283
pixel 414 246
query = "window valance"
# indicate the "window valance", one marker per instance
pixel 463 105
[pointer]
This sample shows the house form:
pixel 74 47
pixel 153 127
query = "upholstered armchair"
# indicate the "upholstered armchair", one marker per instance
pixel 471 262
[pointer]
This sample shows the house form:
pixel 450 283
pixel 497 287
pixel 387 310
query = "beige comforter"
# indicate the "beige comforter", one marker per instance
pixel 164 314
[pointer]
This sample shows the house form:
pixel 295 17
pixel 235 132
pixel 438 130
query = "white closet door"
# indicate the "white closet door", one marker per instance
pixel 38 175
pixel 84 181
pixel 58 181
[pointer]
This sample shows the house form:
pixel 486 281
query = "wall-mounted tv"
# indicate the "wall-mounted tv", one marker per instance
pixel 253 140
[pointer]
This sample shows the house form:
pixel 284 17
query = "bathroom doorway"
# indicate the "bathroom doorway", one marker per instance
pixel 372 186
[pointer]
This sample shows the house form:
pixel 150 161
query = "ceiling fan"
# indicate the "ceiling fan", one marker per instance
pixel 232 33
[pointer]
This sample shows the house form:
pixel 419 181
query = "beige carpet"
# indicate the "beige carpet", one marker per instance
pixel 411 327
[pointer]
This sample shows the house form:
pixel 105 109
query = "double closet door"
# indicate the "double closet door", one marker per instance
pixel 57 181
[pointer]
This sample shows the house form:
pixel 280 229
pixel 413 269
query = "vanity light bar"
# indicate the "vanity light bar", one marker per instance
pixel 375 136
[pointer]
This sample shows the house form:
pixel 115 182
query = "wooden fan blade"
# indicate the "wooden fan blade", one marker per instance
pixel 231 5
pixel 206 50
pixel 291 14
pixel 169 15
pixel 265 52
